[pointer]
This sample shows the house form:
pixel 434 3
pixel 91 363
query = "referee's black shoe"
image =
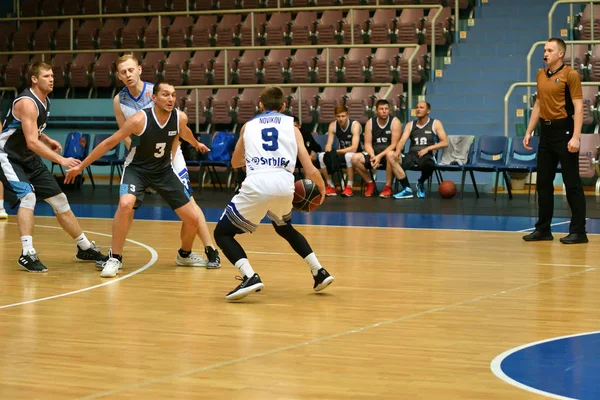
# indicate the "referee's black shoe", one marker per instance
pixel 537 236
pixel 574 238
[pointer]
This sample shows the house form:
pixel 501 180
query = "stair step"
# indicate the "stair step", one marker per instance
pixel 474 128
pixel 493 49
pixel 485 74
pixel 468 100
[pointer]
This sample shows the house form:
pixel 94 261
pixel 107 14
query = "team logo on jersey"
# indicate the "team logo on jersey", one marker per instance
pixel 557 80
pixel 428 132
pixel 172 133
pixel 280 162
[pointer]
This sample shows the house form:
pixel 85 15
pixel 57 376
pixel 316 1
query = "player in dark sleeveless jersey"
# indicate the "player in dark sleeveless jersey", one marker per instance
pixel 22 147
pixel 155 131
pixel 426 135
pixel 381 136
pixel 348 133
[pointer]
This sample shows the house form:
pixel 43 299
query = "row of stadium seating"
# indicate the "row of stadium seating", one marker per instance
pixel 233 106
pixel 32 8
pixel 283 28
pixel 251 67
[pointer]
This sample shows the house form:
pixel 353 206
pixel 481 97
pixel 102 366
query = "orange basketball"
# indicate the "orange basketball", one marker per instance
pixel 447 189
pixel 306 196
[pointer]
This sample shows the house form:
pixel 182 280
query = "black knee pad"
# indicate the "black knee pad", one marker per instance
pixel 285 231
pixel 225 229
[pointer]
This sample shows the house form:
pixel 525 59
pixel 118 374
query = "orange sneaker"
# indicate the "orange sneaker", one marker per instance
pixel 330 191
pixel 386 193
pixel 348 192
pixel 370 189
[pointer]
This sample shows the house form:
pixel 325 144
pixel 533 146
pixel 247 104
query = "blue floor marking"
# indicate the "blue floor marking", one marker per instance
pixel 342 218
pixel 567 366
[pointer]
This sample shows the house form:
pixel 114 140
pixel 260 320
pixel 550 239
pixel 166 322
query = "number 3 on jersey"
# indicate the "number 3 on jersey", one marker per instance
pixel 160 150
pixel 270 136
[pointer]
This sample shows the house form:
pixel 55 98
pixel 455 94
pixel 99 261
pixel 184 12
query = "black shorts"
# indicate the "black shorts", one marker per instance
pixel 368 166
pixel 166 183
pixel 412 161
pixel 19 179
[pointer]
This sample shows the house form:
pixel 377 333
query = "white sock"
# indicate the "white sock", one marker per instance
pixel 83 242
pixel 244 266
pixel 313 263
pixel 330 183
pixel 350 183
pixel 27 242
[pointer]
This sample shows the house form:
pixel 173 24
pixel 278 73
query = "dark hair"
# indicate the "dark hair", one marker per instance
pixel 562 46
pixel 381 102
pixel 156 87
pixel 427 103
pixel 296 120
pixel 35 68
pixel 272 98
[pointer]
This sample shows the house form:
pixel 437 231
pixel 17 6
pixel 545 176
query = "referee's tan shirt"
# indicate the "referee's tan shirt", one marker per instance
pixel 557 91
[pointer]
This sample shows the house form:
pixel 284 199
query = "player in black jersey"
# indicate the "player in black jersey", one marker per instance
pixel 26 178
pixel 381 136
pixel 348 133
pixel 148 164
pixel 426 135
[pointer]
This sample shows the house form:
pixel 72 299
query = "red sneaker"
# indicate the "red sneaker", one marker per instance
pixel 386 193
pixel 370 189
pixel 348 192
pixel 330 191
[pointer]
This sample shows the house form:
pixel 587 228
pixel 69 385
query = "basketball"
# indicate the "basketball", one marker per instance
pixel 306 196
pixel 447 189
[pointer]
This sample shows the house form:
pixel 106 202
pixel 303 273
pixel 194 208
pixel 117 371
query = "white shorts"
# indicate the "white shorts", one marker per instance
pixel 180 168
pixel 261 195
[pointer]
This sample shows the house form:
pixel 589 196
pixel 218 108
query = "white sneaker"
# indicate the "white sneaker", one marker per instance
pixel 3 214
pixel 193 260
pixel 111 268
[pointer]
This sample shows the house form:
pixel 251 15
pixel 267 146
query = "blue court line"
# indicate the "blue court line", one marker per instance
pixel 343 218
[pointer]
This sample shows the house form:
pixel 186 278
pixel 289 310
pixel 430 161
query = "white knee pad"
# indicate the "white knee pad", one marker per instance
pixel 59 203
pixel 28 201
pixel 348 157
pixel 321 157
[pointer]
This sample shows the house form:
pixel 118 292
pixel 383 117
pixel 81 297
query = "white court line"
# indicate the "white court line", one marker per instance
pixel 137 271
pixel 556 224
pixel 319 339
pixel 496 366
pixel 368 227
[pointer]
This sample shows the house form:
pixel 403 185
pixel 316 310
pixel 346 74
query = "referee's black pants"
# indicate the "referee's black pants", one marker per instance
pixel 552 150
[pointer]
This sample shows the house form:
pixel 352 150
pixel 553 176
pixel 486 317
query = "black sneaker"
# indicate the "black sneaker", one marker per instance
pixel 537 236
pixel 214 260
pixel 91 254
pixel 248 285
pixel 322 280
pixel 31 262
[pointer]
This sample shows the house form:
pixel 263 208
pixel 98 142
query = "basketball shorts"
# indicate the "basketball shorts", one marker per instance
pixel 368 166
pixel 22 178
pixel 180 168
pixel 261 194
pixel 411 160
pixel 165 182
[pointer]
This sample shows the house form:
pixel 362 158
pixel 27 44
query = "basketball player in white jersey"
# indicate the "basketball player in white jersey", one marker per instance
pixel 135 96
pixel 268 147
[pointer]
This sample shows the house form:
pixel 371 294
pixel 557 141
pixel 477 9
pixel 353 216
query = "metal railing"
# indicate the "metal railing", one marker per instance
pixel 187 7
pixel 390 87
pixel 570 2
pixel 570 43
pixel 252 12
pixel 528 84
pixel 9 89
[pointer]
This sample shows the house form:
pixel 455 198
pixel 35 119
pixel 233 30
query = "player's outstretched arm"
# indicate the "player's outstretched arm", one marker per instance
pixel 186 134
pixel 133 125
pixel 26 111
pixel 310 171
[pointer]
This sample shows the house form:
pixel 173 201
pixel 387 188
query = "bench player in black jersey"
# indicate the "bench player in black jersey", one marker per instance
pixel 22 146
pixel 348 132
pixel 426 135
pixel 155 131
pixel 381 136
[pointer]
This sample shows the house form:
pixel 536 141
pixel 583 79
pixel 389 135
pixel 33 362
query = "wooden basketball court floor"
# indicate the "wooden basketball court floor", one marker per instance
pixel 413 314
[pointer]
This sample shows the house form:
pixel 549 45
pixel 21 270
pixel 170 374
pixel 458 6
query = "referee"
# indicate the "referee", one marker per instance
pixel 559 110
